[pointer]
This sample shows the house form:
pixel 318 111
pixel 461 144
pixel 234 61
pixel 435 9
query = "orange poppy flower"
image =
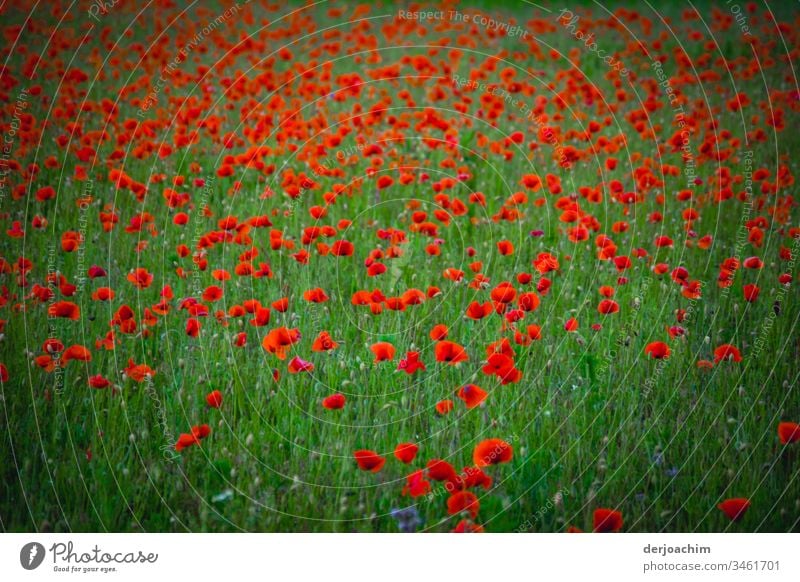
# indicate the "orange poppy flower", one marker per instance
pixel 103 294
pixel 214 399
pixel 607 520
pixel 140 278
pixel 657 350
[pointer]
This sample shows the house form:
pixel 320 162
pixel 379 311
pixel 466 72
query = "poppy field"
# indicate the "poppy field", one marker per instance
pixel 390 267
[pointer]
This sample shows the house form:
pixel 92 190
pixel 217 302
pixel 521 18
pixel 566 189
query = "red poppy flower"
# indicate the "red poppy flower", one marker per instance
pixel 342 248
pixel 75 352
pixel 324 343
pixel 281 305
pixel 384 182
pixel 188 439
pixel 505 247
pixel 500 365
pixel 607 307
pixel 492 452
pixel 438 332
pixel 416 485
pixel 95 272
pixel 657 350
pixel 607 520
pixel 98 382
pixel 475 477
pixel 727 352
pixel 65 309
pixel 439 470
pixel 185 440
pixel 261 316
pixel 444 407
pixel 734 508
pixel 467 526
pixel 192 327
pixel 317 295
pixel 103 294
pixel 753 263
pixel 369 460
pixel 405 452
pixel 528 301
pixel 504 293
pixel 384 351
pixel 463 501
pixel 140 278
pixel 472 395
pixel 411 363
pixel 138 372
pixel 214 399
pixel 450 352
pixel 478 311
pixel 297 365
pixel 334 401
pixel 789 432
pixel 751 292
